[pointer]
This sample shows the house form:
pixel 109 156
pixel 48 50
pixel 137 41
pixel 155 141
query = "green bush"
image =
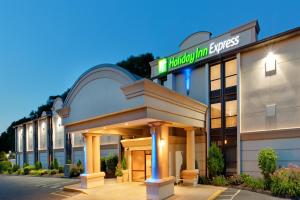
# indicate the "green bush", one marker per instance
pixel 38 165
pixel 27 169
pixel 219 181
pixel 80 166
pixel 286 183
pixel 54 164
pixel 124 164
pixel 203 180
pixel 111 163
pixel 60 169
pixel 39 172
pixel 15 167
pixel 118 171
pixel 235 180
pixel 74 171
pixel 3 156
pixel 20 172
pixel 52 171
pixel 267 160
pixel 5 166
pixel 253 183
pixel 215 161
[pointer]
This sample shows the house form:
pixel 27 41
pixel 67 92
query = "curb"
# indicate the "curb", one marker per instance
pixel 67 189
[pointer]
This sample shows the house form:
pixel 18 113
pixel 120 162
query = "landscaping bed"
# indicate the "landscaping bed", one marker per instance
pixel 281 182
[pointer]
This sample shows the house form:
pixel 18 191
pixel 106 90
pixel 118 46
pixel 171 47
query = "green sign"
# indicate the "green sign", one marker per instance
pixel 167 64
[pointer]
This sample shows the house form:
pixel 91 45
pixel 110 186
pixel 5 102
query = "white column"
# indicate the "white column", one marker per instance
pixel 155 154
pixel 190 148
pixel 96 154
pixel 88 150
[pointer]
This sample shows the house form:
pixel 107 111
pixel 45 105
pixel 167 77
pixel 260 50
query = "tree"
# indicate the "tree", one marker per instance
pixel 215 161
pixel 138 65
pixel 267 162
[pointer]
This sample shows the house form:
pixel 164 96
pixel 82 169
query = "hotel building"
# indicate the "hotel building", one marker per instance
pixel 233 89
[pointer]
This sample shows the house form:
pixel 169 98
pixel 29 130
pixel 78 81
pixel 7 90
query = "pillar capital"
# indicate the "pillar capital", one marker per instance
pixel 190 128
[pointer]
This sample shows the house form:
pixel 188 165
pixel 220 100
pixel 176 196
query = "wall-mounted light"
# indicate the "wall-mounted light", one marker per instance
pixel 225 141
pixel 270 64
pixel 162 142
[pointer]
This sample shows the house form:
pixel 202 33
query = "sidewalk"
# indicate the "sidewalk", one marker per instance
pixel 137 191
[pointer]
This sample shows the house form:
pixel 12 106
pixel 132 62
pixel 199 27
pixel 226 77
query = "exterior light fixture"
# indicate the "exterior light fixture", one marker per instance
pixel 270 64
pixel 162 142
pixel 225 141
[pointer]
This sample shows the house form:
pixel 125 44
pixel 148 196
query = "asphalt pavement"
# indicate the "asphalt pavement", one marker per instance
pixel 34 188
pixel 235 194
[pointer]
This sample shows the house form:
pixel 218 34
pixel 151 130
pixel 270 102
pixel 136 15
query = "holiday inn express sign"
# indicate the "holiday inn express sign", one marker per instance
pixel 185 58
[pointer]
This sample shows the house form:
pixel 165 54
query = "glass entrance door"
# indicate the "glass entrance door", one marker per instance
pixel 141 165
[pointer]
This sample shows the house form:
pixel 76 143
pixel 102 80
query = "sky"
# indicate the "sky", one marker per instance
pixel 46 45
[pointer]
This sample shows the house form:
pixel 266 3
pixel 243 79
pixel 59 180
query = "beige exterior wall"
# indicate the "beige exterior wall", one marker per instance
pixel 258 91
pixel 282 89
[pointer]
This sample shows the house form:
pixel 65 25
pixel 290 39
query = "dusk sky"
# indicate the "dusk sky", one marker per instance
pixel 46 45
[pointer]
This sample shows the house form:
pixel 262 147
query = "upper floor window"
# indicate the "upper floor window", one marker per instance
pixel 30 138
pixel 20 139
pixel 58 133
pixel 43 136
pixel 215 77
pixel 230 73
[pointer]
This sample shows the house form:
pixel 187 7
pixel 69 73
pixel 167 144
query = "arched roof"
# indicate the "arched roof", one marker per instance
pixel 113 71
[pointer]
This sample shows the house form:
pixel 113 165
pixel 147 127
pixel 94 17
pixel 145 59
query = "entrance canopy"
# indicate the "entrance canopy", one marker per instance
pixel 109 97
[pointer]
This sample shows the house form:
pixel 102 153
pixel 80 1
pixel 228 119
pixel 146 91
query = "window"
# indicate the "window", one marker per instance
pixel 77 140
pixel 215 115
pixel 30 138
pixel 43 136
pixel 231 73
pixel 162 80
pixel 215 77
pixel 58 133
pixel 231 113
pixel 20 135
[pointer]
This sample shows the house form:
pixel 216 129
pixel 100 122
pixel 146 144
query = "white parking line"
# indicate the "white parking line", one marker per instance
pixel 228 196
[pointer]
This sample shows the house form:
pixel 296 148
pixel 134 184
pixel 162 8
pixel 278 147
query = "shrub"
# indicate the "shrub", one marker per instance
pixel 38 165
pixel 27 169
pixel 203 180
pixel 3 156
pixel 74 171
pixel 20 172
pixel 118 171
pixel 80 166
pixel 52 172
pixel 5 166
pixel 60 169
pixel 267 160
pixel 253 183
pixel 15 167
pixel 111 163
pixel 235 180
pixel 219 181
pixel 54 164
pixel 124 164
pixel 215 161
pixel 286 183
